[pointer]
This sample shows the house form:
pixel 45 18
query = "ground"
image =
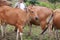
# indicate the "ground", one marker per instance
pixel 36 30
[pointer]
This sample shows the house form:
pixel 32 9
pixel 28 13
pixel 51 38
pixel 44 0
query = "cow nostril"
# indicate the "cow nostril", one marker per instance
pixel 36 18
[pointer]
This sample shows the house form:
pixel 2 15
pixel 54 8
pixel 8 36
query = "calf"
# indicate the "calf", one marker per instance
pixel 44 15
pixel 16 17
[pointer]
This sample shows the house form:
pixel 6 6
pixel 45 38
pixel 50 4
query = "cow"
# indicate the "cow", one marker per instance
pixel 16 17
pixel 3 3
pixel 44 17
pixel 56 22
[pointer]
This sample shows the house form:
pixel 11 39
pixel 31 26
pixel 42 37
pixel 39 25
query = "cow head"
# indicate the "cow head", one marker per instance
pixel 33 12
pixel 5 2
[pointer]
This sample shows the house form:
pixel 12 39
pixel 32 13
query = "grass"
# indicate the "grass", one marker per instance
pixel 36 30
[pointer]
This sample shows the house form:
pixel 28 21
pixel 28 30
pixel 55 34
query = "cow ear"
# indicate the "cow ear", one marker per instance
pixel 28 9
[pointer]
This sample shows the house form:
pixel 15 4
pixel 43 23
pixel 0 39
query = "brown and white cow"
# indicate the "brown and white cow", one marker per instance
pixel 3 3
pixel 44 15
pixel 56 22
pixel 16 17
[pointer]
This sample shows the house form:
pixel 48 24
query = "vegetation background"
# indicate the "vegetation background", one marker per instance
pixel 47 3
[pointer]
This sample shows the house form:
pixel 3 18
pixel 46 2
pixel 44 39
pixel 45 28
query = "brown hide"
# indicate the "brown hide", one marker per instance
pixel 43 14
pixel 13 16
pixel 5 2
pixel 56 19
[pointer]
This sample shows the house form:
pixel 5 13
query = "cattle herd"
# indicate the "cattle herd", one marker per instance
pixel 37 15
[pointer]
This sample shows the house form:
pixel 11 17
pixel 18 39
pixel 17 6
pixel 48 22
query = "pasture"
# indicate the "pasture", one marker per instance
pixel 36 30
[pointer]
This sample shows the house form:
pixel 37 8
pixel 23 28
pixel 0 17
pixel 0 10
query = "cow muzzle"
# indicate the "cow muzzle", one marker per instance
pixel 36 18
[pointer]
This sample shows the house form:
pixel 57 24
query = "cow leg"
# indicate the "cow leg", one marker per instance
pixel 1 28
pixel 21 35
pixel 50 32
pixel 21 32
pixel 43 26
pixel 17 37
pixel 17 34
pixel 4 27
pixel 15 29
pixel 56 35
pixel 30 30
pixel 2 31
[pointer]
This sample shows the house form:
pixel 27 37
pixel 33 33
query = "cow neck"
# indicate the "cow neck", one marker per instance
pixel 27 15
pixel 26 11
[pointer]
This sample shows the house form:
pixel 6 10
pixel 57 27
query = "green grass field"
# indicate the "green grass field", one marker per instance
pixel 36 30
